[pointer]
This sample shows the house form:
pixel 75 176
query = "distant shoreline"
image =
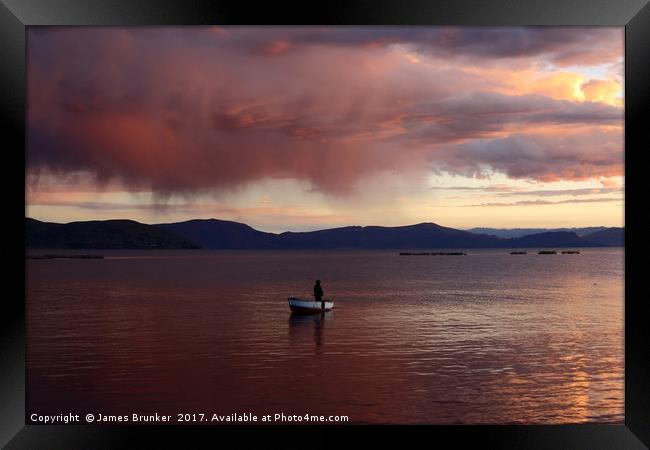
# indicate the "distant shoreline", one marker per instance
pixel 223 234
pixel 39 253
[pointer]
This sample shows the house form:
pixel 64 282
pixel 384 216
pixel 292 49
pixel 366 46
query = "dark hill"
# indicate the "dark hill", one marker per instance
pixel 611 237
pixel 223 234
pixel 519 232
pixel 102 234
pixel 213 233
pixel 551 239
pixel 423 235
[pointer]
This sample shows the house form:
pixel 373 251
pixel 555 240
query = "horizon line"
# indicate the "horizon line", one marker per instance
pixel 331 228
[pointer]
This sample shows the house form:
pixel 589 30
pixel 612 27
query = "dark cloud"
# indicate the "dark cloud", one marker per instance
pixel 479 115
pixel 547 202
pixel 201 108
pixel 573 156
pixel 559 45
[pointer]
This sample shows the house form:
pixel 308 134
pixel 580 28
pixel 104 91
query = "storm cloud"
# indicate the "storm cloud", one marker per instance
pixel 179 110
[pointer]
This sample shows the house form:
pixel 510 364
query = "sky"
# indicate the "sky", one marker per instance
pixel 303 128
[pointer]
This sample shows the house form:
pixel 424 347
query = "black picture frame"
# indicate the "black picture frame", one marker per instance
pixel 634 15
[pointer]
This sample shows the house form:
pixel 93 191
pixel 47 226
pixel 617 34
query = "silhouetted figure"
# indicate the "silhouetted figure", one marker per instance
pixel 318 293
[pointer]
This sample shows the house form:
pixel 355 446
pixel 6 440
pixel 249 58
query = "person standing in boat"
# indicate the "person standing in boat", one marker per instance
pixel 318 293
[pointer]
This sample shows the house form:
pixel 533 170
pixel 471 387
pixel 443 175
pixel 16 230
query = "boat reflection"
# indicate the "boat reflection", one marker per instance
pixel 302 325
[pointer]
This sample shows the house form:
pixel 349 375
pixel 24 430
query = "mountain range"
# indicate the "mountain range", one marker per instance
pixel 223 234
pixel 519 232
pixel 102 234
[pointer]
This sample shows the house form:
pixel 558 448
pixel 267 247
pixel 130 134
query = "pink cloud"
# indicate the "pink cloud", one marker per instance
pixel 184 110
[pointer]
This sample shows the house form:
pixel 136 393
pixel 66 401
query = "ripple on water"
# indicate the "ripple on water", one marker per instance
pixel 484 339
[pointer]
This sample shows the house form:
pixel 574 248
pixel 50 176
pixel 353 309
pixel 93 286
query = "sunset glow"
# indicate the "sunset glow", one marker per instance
pixel 302 128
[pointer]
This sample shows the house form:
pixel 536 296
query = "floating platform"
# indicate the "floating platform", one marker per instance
pixel 433 254
pixel 64 257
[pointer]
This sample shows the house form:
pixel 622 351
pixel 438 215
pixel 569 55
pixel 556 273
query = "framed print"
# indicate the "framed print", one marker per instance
pixel 355 219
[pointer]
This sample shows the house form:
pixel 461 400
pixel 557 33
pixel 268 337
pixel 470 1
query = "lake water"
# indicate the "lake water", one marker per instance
pixel 484 338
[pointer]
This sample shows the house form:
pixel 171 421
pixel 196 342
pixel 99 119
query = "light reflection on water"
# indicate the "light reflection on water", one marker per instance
pixel 484 338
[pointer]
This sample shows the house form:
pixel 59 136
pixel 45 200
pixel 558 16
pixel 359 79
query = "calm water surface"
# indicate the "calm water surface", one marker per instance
pixel 484 338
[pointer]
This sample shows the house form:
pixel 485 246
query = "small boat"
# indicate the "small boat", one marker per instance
pixel 301 306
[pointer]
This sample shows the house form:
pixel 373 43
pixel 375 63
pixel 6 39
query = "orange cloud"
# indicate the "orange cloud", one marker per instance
pixel 560 86
pixel 606 91
pixel 216 114
pixel 610 183
pixel 570 86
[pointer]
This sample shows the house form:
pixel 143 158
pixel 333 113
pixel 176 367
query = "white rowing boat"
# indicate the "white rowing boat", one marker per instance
pixel 299 305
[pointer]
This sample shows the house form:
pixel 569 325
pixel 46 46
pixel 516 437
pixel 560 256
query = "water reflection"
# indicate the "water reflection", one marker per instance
pixel 302 325
pixel 484 339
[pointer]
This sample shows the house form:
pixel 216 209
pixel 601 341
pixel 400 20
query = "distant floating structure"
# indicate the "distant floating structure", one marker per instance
pixel 433 254
pixel 571 252
pixel 518 253
pixel 64 257
pixel 547 252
